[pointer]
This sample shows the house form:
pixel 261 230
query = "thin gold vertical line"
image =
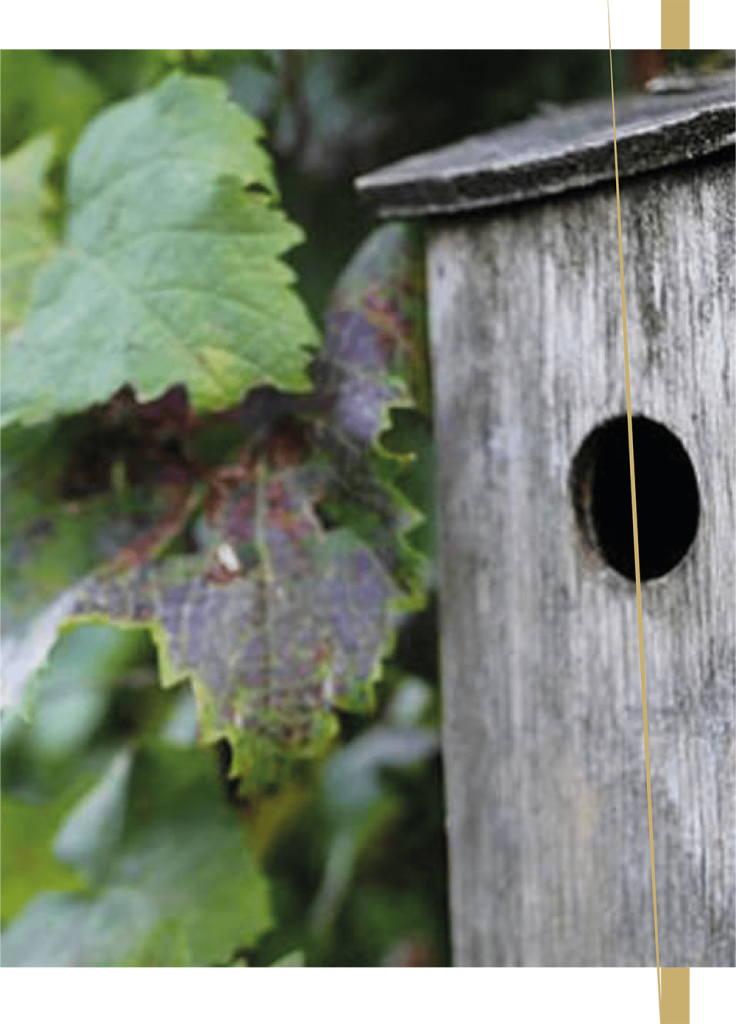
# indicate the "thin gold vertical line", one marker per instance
pixel 636 531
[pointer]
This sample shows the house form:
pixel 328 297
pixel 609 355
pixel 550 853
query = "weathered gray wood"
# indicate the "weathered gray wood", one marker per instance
pixel 551 154
pixel 543 741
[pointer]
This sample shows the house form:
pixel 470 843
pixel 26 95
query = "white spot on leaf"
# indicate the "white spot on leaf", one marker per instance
pixel 227 558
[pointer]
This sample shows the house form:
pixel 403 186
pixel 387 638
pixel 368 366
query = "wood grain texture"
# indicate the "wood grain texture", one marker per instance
pixel 566 148
pixel 543 738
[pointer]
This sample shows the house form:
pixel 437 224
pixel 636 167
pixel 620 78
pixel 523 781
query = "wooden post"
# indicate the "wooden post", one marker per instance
pixel 543 737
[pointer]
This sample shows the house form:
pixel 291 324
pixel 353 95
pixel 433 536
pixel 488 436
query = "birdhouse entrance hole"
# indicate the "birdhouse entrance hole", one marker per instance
pixel 667 502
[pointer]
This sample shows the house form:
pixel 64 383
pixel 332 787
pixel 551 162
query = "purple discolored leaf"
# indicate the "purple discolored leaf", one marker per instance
pixel 374 354
pixel 277 621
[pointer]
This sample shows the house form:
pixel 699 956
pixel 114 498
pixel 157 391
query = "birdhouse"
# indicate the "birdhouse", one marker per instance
pixel 543 734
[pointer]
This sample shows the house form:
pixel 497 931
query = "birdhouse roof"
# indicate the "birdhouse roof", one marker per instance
pixel 561 150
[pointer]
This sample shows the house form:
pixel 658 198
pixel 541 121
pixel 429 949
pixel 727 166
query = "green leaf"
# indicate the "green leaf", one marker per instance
pixel 26 651
pixel 295 959
pixel 183 888
pixel 170 271
pixel 91 833
pixel 39 92
pixel 27 242
pixel 358 805
pixel 28 864
pixel 220 61
pixel 71 693
pixel 411 433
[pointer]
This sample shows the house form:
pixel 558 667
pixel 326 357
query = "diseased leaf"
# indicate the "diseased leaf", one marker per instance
pixel 183 888
pixel 277 622
pixel 371 372
pixel 27 241
pixel 373 362
pixel 52 538
pixel 170 271
pixel 302 571
pixel 374 356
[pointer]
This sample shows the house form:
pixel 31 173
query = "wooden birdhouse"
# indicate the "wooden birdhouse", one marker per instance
pixel 543 733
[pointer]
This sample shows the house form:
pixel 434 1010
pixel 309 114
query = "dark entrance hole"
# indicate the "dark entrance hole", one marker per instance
pixel 667 502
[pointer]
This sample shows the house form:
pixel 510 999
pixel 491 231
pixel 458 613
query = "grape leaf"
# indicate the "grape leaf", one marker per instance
pixel 374 355
pixel 183 888
pixel 28 864
pixel 27 241
pixel 373 368
pixel 91 833
pixel 358 805
pixel 294 959
pixel 54 534
pixel 71 694
pixel 41 92
pixel 277 621
pixel 303 570
pixel 170 269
